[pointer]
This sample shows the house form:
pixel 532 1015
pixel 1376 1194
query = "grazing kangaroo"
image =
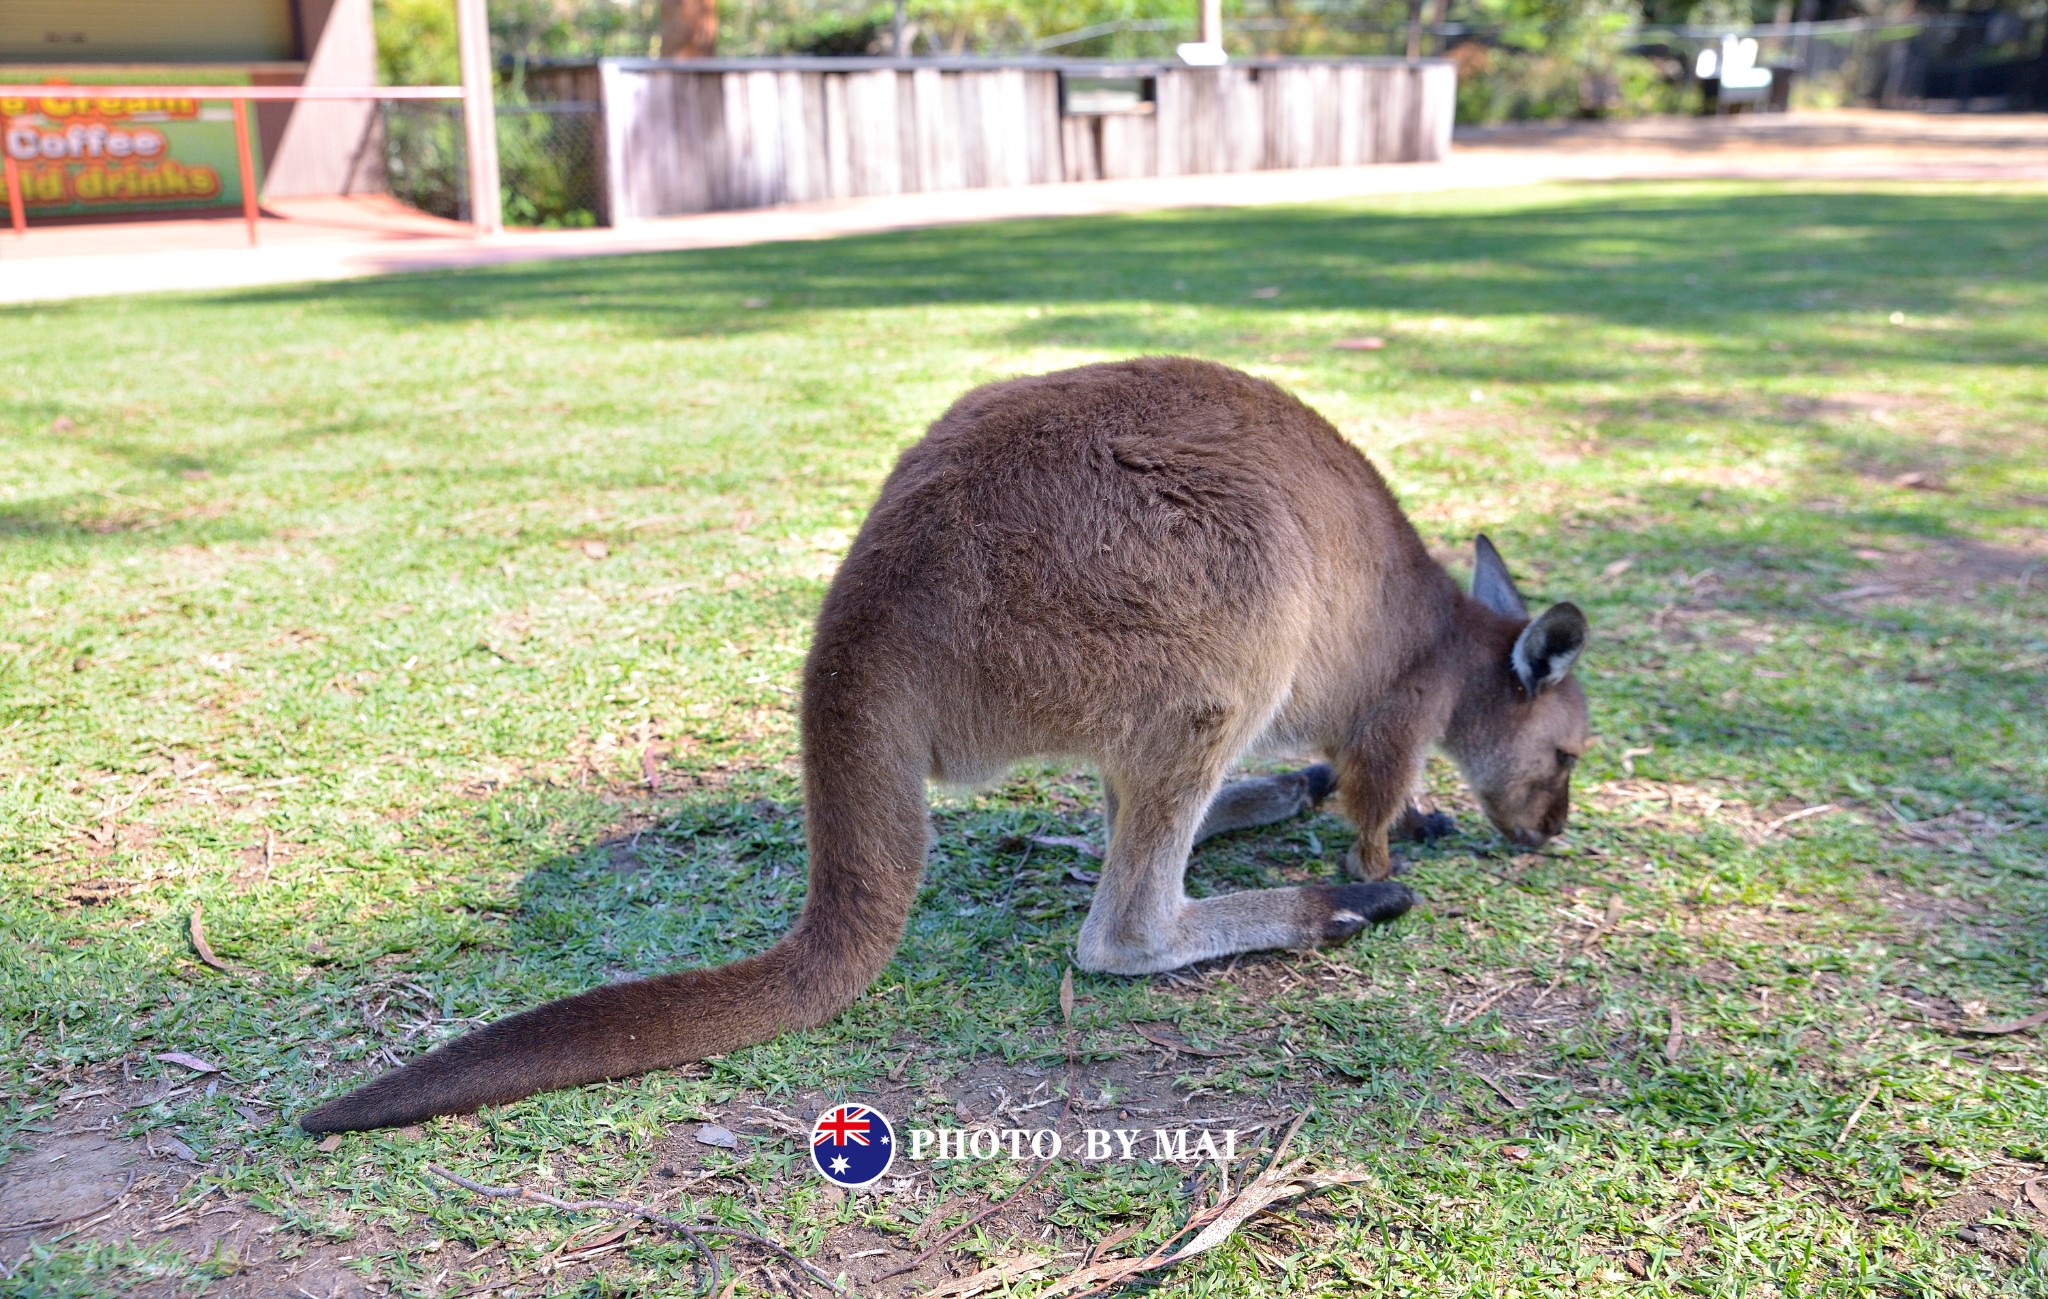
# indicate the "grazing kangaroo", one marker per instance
pixel 1156 566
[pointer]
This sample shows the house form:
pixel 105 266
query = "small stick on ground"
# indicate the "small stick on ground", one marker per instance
pixel 1868 1097
pixel 2034 1020
pixel 694 1232
pixel 1772 827
pixel 1214 1225
pixel 1514 1101
pixel 1485 1003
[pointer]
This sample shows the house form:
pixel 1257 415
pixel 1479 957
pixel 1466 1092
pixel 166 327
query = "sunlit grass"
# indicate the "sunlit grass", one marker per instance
pixel 359 614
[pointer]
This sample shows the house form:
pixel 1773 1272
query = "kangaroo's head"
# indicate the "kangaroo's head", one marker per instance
pixel 1520 722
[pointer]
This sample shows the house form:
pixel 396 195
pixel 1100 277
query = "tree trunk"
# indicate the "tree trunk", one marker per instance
pixel 689 29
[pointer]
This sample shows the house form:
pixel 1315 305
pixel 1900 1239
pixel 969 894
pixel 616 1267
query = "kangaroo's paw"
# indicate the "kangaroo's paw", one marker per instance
pixel 1321 780
pixel 1418 826
pixel 1354 906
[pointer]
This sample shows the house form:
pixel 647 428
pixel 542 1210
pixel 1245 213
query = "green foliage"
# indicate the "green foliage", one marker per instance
pixel 416 43
pixel 548 163
pixel 92 1269
pixel 934 26
pixel 1556 58
pixel 581 29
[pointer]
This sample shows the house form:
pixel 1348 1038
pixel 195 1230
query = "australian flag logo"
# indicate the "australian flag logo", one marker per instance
pixel 852 1145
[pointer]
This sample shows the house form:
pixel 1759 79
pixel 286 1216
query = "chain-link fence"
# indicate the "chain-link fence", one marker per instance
pixel 547 160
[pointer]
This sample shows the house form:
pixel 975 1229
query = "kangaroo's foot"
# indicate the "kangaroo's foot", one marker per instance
pixel 1262 800
pixel 1418 826
pixel 1202 929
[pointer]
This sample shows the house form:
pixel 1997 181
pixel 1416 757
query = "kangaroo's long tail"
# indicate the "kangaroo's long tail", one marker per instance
pixel 865 820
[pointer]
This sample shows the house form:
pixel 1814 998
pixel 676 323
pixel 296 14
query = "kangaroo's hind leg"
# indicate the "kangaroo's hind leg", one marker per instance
pixel 1243 804
pixel 1262 800
pixel 1142 920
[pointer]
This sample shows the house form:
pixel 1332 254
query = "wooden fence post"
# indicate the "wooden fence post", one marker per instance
pixel 245 161
pixel 479 114
pixel 16 215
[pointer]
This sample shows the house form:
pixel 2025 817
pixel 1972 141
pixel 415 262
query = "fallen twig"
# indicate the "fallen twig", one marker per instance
pixel 694 1232
pixel 2034 1020
pixel 1514 1102
pixel 1868 1097
pixel 1214 1225
pixel 987 1210
pixel 1771 827
pixel 1485 1003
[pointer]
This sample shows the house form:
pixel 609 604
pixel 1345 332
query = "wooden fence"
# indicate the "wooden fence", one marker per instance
pixel 707 135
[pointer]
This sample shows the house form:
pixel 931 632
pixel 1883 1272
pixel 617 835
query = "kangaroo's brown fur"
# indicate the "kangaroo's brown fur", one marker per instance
pixel 1156 566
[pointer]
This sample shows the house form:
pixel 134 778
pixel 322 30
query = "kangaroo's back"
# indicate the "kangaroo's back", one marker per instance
pixel 1100 541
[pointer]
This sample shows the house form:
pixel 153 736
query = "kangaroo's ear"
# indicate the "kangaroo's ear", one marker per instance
pixel 1547 648
pixel 1491 585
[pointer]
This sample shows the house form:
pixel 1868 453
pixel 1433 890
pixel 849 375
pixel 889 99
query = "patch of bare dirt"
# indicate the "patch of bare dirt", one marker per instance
pixel 1957 567
pixel 1728 408
pixel 79 1178
pixel 1996 1211
pixel 1536 1013
pixel 1926 912
pixel 1689 808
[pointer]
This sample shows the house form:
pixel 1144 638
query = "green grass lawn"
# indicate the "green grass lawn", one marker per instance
pixel 437 636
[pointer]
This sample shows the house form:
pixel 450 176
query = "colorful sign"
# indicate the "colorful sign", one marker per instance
pixel 79 153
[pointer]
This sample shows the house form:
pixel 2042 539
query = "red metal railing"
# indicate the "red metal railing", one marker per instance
pixel 239 96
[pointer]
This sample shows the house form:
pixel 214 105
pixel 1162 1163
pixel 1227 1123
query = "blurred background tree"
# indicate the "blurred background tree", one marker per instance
pixel 1516 58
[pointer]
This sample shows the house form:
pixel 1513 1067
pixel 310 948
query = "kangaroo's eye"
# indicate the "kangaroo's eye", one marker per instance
pixel 1566 760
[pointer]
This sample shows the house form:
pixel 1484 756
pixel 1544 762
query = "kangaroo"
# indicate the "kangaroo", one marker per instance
pixel 1156 566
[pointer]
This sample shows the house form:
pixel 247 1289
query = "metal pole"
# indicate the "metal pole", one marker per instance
pixel 247 162
pixel 479 115
pixel 896 46
pixel 15 213
pixel 1212 23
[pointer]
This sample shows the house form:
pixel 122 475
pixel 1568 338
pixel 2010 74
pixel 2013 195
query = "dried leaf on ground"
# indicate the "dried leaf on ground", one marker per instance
pixel 713 1135
pixel 1158 1037
pixel 199 945
pixel 1075 842
pixel 996 1276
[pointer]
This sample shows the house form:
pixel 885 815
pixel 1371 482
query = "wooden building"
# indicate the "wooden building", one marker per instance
pixel 306 148
pixel 703 135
